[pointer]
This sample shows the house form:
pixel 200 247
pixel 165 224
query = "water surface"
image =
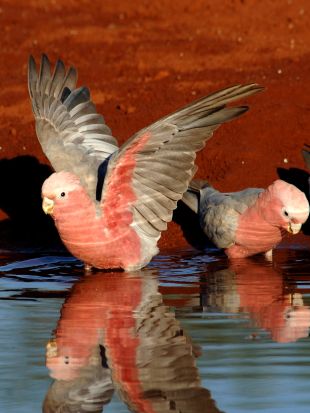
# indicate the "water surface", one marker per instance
pixel 191 333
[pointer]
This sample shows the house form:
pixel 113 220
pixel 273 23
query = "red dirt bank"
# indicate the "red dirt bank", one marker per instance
pixel 143 60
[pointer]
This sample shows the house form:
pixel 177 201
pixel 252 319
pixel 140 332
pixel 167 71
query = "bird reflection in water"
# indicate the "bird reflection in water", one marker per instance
pixel 264 293
pixel 116 327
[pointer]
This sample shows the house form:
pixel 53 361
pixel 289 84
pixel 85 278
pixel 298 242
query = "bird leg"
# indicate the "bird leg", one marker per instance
pixel 87 268
pixel 268 255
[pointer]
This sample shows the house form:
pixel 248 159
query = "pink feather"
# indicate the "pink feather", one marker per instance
pixel 97 240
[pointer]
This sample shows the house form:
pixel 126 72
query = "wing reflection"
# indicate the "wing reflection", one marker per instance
pixel 261 291
pixel 118 323
pixel 88 390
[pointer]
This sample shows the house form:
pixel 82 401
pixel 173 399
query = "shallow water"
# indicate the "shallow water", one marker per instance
pixel 190 333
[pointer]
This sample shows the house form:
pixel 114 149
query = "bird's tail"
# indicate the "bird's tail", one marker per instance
pixel 196 185
pixel 192 196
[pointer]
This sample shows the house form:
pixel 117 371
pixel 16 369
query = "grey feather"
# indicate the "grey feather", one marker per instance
pixel 150 216
pixel 191 199
pixel 165 163
pixel 76 97
pixel 196 185
pixel 144 225
pixel 158 187
pixel 72 134
pixel 170 182
pixel 89 392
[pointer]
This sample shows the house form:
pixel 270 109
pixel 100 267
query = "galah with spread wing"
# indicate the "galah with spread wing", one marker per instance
pixel 111 204
pixel 251 221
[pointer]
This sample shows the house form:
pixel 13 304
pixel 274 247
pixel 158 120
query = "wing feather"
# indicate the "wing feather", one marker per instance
pixel 159 160
pixel 157 187
pixel 72 134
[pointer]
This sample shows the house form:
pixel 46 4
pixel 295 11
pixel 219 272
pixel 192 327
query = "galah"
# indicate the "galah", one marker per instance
pixel 111 204
pixel 251 221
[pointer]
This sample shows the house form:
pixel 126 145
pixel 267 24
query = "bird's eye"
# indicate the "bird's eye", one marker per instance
pixel 63 194
pixel 285 213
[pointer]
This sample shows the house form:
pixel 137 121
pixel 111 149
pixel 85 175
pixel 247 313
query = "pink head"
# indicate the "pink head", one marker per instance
pixel 58 191
pixel 285 206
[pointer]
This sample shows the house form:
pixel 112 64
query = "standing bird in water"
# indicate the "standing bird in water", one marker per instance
pixel 251 221
pixel 110 204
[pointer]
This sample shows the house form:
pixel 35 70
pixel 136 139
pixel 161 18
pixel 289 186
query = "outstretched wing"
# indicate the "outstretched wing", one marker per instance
pixel 72 134
pixel 219 213
pixel 152 170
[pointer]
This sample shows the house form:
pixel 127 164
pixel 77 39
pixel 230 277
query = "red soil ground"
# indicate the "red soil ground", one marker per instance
pixel 144 59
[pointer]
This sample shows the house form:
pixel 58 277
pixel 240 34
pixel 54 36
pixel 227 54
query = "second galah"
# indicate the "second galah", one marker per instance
pixel 251 221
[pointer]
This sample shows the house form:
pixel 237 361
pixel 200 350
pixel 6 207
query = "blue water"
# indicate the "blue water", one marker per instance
pixel 190 333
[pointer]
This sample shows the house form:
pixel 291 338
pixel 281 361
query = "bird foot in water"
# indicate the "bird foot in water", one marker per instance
pixel 88 268
pixel 269 255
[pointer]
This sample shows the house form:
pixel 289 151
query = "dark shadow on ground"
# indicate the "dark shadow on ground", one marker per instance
pixel 21 179
pixel 300 179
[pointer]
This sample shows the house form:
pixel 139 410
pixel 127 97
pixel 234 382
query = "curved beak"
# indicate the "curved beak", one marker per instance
pixel 51 349
pixel 48 205
pixel 294 228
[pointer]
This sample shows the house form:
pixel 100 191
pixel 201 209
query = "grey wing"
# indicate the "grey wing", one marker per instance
pixel 73 136
pixel 219 213
pixel 163 157
pixel 90 391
